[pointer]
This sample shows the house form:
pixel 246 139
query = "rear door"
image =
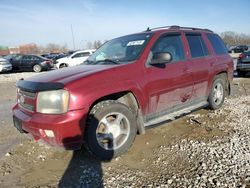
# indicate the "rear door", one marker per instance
pixel 170 85
pixel 26 62
pixel 201 61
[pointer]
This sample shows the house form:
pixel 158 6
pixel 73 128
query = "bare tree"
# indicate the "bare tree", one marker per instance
pixel 89 45
pixel 232 38
pixel 51 47
pixel 96 44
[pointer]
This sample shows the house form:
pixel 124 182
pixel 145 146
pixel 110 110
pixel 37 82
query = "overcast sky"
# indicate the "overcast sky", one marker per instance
pixel 49 21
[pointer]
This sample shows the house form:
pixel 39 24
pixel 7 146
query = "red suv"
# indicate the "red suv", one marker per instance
pixel 127 85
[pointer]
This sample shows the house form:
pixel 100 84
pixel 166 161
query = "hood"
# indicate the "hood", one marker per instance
pixel 69 74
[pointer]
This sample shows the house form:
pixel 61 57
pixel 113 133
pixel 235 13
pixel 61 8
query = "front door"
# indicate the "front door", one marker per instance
pixel 170 85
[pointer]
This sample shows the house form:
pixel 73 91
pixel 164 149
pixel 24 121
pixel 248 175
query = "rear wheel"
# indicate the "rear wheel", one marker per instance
pixel 111 129
pixel 217 94
pixel 37 68
pixel 63 65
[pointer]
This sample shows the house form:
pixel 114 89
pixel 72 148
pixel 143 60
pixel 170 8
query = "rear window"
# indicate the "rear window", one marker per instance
pixel 196 45
pixel 218 45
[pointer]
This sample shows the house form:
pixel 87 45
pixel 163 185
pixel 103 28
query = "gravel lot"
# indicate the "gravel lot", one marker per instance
pixel 203 149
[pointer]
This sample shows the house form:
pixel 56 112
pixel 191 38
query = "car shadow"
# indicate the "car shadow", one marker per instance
pixel 84 170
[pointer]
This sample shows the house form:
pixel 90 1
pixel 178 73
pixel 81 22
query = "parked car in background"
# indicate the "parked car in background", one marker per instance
pixel 243 64
pixel 54 56
pixel 58 56
pixel 49 55
pixel 5 65
pixel 10 56
pixel 235 52
pixel 238 49
pixel 74 59
pixel 31 63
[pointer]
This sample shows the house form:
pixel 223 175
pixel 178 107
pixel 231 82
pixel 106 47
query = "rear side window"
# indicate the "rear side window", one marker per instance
pixel 218 45
pixel 196 45
pixel 171 44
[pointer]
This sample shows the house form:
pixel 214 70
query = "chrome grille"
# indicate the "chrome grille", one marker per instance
pixel 26 100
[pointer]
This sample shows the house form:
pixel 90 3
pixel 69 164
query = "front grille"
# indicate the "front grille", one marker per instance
pixel 26 100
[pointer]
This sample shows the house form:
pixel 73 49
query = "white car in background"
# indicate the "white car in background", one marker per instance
pixel 5 65
pixel 74 59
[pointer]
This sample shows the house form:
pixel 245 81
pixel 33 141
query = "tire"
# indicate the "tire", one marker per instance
pixel 111 130
pixel 37 68
pixel 241 73
pixel 63 65
pixel 217 94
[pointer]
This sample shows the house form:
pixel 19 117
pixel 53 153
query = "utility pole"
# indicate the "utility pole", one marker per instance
pixel 73 38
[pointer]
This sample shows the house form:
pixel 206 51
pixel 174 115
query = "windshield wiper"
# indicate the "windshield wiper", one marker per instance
pixel 109 61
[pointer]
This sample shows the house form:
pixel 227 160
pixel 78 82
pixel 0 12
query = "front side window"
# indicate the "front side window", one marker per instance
pixel 171 44
pixel 196 45
pixel 120 50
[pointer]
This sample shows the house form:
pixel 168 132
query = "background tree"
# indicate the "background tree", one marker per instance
pixel 232 38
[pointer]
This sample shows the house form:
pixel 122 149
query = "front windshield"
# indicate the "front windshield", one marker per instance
pixel 120 50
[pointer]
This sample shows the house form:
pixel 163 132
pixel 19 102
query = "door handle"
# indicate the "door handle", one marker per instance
pixel 187 70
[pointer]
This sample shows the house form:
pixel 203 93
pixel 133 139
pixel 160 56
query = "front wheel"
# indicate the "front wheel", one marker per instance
pixel 217 94
pixel 111 129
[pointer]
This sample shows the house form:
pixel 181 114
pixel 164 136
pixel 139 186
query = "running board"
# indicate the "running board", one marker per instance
pixel 173 115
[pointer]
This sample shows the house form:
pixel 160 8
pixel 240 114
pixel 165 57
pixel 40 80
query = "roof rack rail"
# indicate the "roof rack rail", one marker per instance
pixel 177 28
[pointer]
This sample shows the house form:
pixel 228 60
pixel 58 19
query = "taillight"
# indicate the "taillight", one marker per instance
pixel 242 56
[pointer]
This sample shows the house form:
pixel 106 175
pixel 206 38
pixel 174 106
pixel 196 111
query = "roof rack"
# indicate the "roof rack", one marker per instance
pixel 177 28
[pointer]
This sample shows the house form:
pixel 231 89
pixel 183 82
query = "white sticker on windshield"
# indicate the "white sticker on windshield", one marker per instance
pixel 136 42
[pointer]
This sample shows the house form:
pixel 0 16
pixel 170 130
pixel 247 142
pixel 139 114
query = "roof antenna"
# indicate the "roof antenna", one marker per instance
pixel 148 29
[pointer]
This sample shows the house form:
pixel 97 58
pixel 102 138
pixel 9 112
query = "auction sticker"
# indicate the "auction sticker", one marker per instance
pixel 136 42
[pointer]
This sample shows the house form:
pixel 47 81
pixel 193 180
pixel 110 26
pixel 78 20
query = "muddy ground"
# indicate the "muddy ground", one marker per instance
pixel 26 163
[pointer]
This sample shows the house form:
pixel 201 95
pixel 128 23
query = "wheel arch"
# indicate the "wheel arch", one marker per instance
pixel 224 75
pixel 129 99
pixel 62 64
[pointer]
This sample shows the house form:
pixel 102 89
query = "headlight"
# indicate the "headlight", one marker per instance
pixel 53 102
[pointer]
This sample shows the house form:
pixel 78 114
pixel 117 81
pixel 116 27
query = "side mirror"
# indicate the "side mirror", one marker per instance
pixel 161 58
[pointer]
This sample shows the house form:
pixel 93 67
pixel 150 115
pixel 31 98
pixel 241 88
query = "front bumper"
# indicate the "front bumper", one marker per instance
pixel 64 130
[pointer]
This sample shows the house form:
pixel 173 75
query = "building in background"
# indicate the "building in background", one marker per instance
pixel 28 48
pixel 4 50
pixel 14 50
pixel 22 49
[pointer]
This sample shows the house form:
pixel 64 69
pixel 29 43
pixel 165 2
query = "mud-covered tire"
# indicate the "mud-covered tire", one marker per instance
pixel 217 93
pixel 37 68
pixel 97 115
